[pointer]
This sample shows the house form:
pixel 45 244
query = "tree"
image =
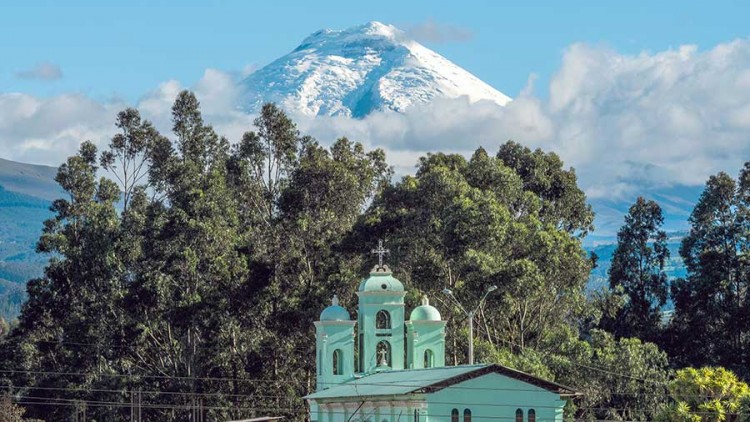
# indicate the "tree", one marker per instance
pixel 74 308
pixel 180 299
pixel 638 270
pixel 128 153
pixel 620 379
pixel 563 202
pixel 710 394
pixel 298 201
pixel 11 412
pixel 710 325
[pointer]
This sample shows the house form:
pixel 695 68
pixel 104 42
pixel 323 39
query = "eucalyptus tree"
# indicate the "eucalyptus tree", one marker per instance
pixel 638 270
pixel 72 314
pixel 298 200
pixel 712 316
pixel 563 202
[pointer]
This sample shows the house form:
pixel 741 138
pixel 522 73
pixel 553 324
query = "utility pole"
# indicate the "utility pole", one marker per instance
pixel 470 316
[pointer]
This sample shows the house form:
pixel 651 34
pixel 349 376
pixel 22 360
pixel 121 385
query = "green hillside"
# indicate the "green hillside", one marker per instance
pixel 26 192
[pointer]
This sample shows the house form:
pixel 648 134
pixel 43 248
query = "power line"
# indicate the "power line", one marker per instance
pixel 378 384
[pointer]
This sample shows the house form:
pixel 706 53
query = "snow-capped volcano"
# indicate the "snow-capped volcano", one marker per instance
pixel 355 71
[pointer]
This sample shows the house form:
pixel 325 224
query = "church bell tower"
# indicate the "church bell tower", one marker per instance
pixel 425 337
pixel 381 319
pixel 334 346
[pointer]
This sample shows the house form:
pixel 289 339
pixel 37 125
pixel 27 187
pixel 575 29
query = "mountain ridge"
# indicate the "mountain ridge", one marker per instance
pixel 29 179
pixel 26 193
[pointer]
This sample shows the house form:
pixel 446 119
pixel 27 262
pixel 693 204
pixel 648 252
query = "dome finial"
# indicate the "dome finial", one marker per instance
pixel 335 300
pixel 425 300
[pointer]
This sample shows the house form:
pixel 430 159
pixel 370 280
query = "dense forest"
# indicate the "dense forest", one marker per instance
pixel 183 284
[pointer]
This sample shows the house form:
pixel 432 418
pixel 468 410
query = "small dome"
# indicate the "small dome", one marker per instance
pixel 426 312
pixel 335 312
pixel 381 280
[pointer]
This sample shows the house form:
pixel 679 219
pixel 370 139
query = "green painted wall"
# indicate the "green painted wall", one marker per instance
pixel 490 397
pixel 494 397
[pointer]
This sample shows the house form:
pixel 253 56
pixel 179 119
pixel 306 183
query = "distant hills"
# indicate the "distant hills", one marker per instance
pixel 30 179
pixel 26 192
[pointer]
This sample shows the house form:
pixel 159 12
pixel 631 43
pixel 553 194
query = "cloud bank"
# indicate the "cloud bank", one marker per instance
pixel 625 122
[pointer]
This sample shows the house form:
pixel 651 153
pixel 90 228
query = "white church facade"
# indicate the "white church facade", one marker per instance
pixel 398 372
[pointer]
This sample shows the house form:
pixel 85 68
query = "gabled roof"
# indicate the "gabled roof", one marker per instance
pixel 395 383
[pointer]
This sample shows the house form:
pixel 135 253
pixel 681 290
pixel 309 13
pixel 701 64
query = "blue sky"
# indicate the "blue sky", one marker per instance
pixel 108 49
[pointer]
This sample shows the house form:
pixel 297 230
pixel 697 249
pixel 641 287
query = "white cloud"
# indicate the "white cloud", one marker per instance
pixel 43 71
pixel 46 130
pixel 431 31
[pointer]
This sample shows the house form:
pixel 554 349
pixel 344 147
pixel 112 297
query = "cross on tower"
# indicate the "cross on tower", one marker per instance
pixel 380 251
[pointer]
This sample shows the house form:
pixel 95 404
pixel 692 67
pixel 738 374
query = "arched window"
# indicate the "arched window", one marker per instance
pixel 454 415
pixel 338 362
pixel 429 359
pixel 532 415
pixel 467 415
pixel 383 320
pixel 519 415
pixel 384 352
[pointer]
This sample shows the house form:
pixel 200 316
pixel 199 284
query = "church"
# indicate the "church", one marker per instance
pixel 397 372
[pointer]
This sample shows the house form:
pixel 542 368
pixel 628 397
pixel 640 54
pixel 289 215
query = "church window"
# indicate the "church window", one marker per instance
pixel 519 415
pixel 383 320
pixel 454 415
pixel 532 415
pixel 429 359
pixel 384 352
pixel 338 364
pixel 467 415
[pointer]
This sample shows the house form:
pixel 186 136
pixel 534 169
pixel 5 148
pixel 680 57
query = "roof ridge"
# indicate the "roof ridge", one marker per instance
pixel 476 365
pixel 392 382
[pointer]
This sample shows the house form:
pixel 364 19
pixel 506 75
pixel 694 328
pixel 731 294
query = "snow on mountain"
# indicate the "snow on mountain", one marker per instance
pixel 355 71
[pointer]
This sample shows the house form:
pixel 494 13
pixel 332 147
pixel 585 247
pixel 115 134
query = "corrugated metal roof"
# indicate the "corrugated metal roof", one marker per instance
pixel 390 383
pixel 394 383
